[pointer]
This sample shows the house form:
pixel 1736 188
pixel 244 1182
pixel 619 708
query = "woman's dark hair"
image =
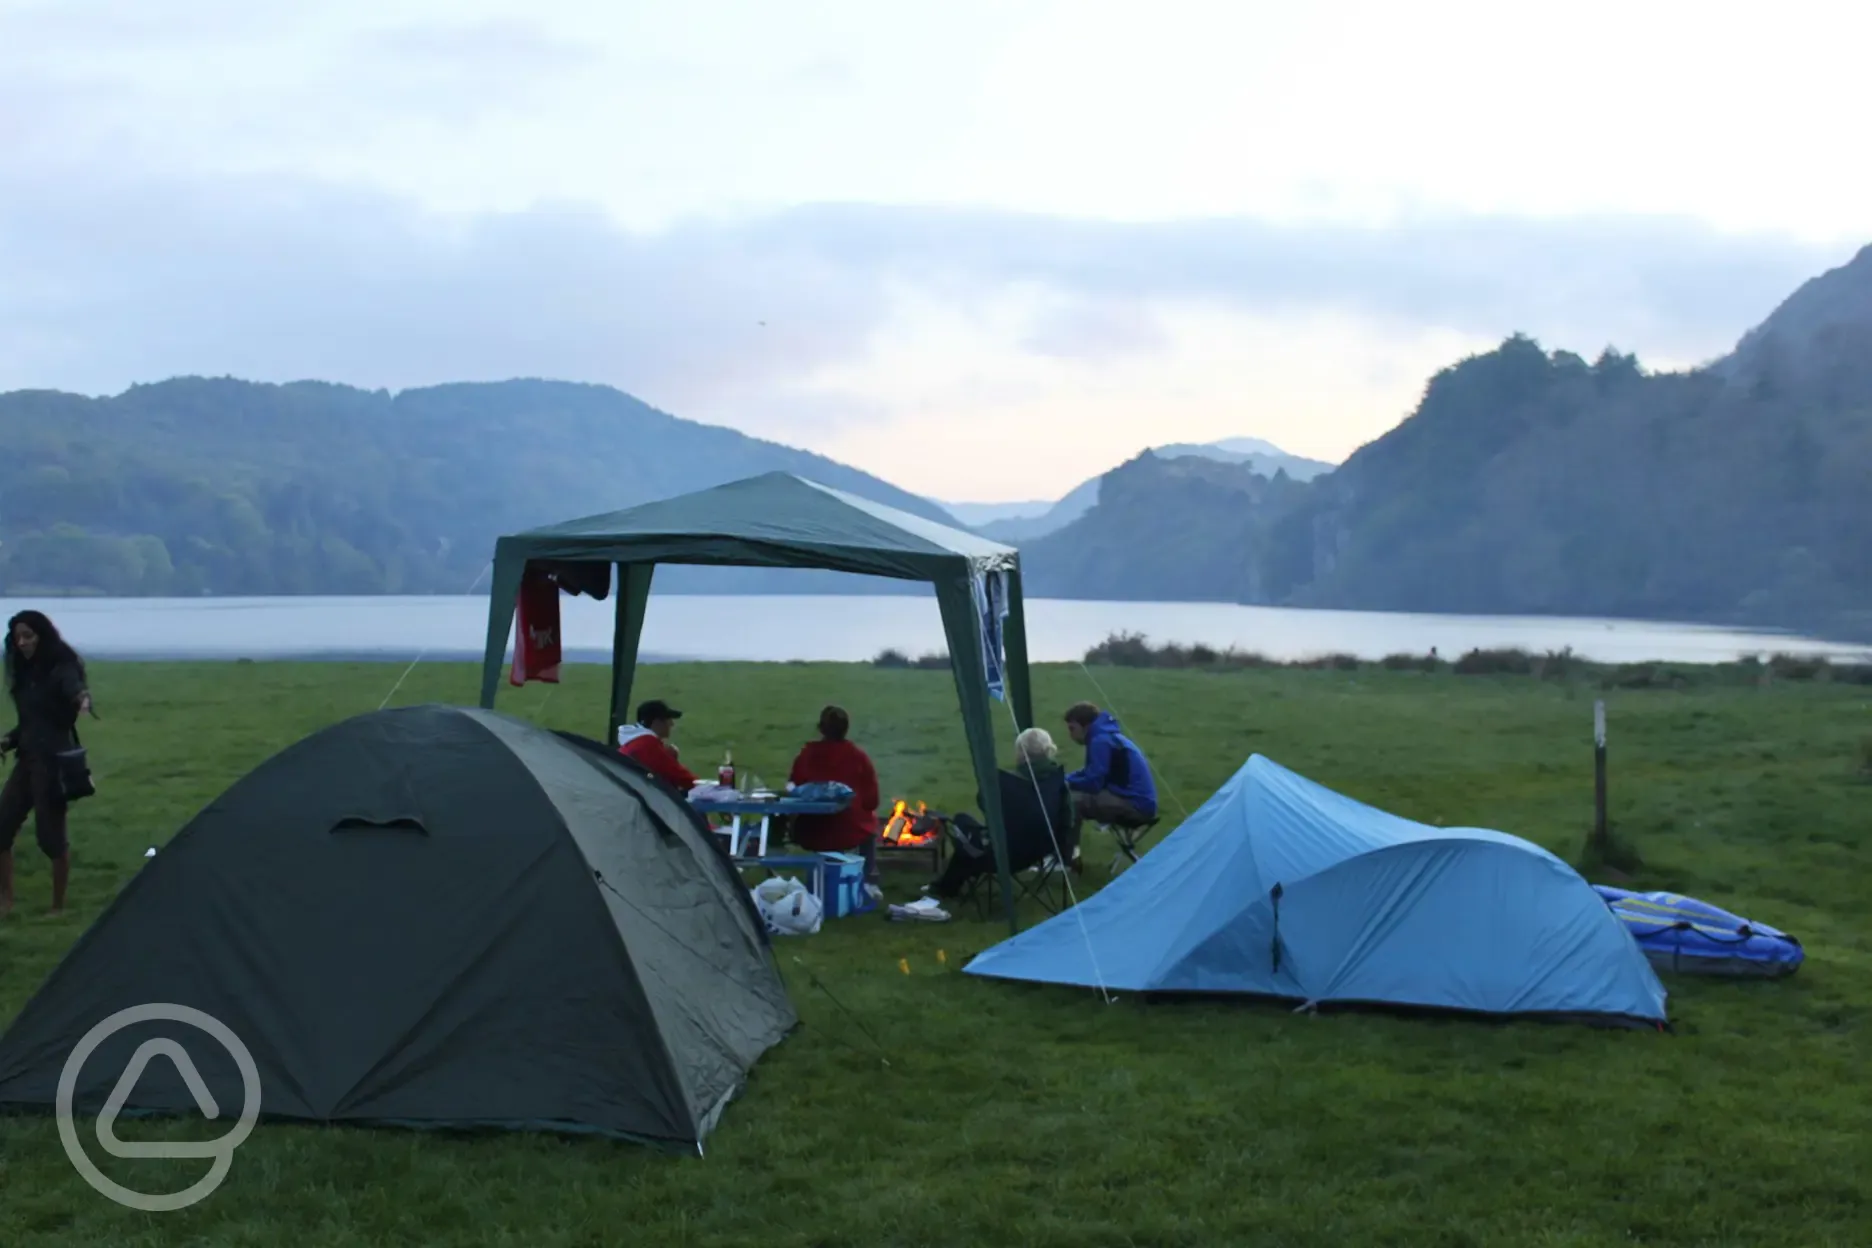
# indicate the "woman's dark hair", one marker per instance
pixel 52 650
pixel 834 723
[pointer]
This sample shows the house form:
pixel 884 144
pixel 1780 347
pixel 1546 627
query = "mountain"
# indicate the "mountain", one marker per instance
pixel 1020 530
pixel 975 515
pixel 1263 457
pixel 1530 481
pixel 1199 514
pixel 1822 333
pixel 1257 456
pixel 220 486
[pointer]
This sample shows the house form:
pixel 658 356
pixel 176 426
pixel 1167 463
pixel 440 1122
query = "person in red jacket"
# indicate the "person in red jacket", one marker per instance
pixel 833 758
pixel 647 742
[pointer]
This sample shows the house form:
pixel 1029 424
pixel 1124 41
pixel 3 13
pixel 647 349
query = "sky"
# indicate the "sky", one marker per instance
pixel 982 249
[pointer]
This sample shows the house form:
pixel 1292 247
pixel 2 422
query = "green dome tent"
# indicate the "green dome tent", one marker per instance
pixel 429 916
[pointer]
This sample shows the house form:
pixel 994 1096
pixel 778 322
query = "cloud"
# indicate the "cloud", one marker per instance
pixel 822 73
pixel 114 282
pixel 449 78
pixel 1089 330
pixel 114 25
pixel 1665 286
pixel 220 93
pixel 491 45
pixel 116 278
pixel 960 407
pixel 401 192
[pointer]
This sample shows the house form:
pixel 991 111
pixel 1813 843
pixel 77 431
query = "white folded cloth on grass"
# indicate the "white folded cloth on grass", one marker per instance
pixel 922 910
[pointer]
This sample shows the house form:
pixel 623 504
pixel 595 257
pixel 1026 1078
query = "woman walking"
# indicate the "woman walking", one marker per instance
pixel 46 679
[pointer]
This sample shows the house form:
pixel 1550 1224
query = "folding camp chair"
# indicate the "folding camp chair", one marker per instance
pixel 1044 881
pixel 1130 838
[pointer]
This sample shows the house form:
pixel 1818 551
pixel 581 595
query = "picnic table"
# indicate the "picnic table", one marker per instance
pixel 760 812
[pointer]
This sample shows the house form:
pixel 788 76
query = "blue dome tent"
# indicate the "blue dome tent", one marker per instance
pixel 1281 887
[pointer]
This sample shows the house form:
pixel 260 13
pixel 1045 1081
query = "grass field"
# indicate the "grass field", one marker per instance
pixel 1009 1115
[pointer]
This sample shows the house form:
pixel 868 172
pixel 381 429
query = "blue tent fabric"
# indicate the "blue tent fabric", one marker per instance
pixel 1279 886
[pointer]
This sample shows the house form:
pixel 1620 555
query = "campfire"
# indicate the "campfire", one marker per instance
pixel 907 827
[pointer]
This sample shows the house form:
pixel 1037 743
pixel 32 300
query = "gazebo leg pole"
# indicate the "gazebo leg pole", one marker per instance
pixel 633 597
pixel 963 627
pixel 1014 641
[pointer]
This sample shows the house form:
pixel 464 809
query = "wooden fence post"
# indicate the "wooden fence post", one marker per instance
pixel 1599 775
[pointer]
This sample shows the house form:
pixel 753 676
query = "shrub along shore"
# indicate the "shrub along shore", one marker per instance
pixel 1134 650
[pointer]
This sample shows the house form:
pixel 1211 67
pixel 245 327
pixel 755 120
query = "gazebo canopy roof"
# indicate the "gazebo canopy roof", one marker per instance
pixel 773 520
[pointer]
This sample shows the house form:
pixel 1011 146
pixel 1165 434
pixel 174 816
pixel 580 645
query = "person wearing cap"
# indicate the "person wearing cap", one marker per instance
pixel 646 743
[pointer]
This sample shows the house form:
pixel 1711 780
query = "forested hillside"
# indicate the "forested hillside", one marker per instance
pixel 1530 481
pixel 1165 529
pixel 228 487
pixel 1252 454
pixel 1534 482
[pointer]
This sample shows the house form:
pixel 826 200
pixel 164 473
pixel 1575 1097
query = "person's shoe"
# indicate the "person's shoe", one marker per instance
pixel 875 893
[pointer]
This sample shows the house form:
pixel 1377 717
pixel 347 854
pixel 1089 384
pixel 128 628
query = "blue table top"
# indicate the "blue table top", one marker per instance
pixel 775 806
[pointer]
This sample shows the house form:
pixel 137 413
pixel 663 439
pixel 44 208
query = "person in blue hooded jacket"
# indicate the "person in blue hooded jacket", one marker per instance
pixel 1115 785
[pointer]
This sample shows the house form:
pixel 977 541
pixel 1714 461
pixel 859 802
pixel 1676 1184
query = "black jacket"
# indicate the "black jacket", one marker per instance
pixel 47 702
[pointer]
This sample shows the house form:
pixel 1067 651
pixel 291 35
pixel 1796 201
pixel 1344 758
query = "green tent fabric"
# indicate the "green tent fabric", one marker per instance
pixel 784 521
pixel 430 916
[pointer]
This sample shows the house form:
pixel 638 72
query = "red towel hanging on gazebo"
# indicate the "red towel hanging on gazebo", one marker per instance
pixel 537 649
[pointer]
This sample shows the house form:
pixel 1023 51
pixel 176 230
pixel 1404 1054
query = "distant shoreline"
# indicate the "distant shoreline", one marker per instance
pixel 575 658
pixel 773 628
pixel 1637 673
pixel 1852 631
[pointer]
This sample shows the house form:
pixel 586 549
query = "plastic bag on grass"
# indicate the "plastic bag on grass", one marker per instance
pixel 788 908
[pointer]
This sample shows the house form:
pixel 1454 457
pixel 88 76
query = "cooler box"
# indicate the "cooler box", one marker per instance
pixel 841 885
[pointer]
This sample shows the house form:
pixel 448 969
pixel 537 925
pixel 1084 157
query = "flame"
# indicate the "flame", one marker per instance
pixel 902 828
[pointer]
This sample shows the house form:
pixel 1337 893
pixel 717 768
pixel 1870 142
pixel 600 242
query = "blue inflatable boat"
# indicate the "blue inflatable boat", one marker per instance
pixel 1692 937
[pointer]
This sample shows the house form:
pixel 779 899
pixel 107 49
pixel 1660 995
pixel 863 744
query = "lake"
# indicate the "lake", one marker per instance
pixel 824 627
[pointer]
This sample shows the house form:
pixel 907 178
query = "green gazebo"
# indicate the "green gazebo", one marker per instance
pixel 779 520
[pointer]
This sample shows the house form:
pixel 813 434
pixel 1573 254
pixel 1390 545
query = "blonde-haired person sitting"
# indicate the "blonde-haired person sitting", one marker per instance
pixel 1037 809
pixel 1035 744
